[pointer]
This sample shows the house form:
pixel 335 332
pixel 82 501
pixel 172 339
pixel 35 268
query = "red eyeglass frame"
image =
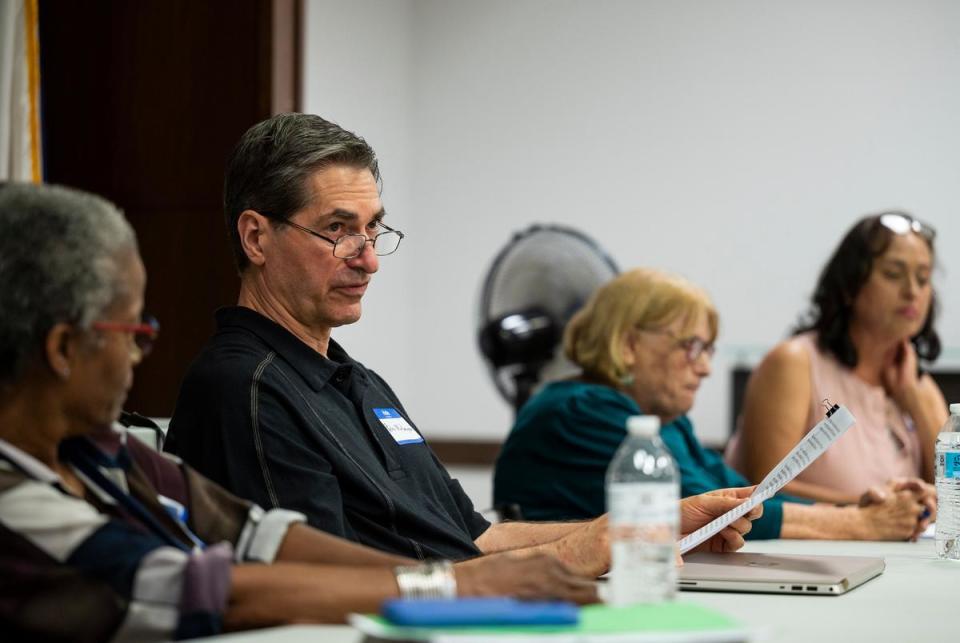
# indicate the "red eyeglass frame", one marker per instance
pixel 144 333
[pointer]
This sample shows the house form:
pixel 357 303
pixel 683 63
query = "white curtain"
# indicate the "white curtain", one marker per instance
pixel 20 149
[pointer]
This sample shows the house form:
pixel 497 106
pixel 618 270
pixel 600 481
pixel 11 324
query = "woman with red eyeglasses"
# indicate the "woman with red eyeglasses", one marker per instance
pixel 102 538
pixel 870 325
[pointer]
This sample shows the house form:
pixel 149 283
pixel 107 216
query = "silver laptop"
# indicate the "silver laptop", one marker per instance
pixel 776 573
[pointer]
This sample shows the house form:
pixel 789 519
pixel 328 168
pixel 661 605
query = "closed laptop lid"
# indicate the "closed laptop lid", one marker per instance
pixel 779 573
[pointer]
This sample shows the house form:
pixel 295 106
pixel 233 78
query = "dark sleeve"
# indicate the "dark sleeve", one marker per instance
pixel 238 428
pixel 214 514
pixel 475 522
pixel 194 586
pixel 768 525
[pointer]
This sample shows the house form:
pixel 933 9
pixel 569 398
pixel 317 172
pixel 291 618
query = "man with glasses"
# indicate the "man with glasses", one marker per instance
pixel 279 413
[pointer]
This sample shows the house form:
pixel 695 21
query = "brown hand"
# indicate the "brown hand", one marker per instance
pixel 530 577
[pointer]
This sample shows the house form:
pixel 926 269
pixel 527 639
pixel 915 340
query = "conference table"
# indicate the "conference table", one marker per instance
pixel 912 600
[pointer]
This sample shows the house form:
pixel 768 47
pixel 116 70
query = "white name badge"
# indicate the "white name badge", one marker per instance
pixel 399 429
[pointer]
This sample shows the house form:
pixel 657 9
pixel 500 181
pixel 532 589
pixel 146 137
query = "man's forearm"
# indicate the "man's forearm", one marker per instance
pixel 305 544
pixel 581 546
pixel 509 536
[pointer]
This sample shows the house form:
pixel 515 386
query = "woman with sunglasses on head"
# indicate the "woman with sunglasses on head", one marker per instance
pixel 871 321
pixel 644 342
pixel 102 538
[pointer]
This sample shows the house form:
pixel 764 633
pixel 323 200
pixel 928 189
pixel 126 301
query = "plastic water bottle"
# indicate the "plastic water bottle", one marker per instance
pixel 948 487
pixel 643 498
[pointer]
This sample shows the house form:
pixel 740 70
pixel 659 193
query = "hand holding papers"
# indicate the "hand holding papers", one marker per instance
pixel 838 420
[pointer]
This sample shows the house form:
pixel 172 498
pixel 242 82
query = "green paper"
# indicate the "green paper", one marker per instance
pixel 666 617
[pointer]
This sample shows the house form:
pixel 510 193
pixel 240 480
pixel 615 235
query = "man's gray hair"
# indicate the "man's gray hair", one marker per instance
pixel 60 261
pixel 268 169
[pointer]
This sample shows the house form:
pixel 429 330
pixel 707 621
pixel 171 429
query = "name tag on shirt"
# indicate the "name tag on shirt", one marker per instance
pixel 395 424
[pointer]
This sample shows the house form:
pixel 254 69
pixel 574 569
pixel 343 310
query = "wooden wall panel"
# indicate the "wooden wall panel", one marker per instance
pixel 142 102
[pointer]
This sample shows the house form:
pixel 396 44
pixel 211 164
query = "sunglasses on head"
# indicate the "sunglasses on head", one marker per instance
pixel 903 223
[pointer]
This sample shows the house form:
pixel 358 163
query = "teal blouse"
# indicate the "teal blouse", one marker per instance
pixel 554 460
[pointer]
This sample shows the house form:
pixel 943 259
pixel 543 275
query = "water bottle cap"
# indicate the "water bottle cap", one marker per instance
pixel 955 409
pixel 643 425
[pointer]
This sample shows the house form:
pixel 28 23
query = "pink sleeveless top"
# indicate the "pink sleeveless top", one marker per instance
pixel 881 445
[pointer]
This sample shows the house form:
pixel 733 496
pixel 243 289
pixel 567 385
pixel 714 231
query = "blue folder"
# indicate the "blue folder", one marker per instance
pixel 479 611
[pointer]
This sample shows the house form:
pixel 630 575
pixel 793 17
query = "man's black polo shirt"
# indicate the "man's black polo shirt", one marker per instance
pixel 272 420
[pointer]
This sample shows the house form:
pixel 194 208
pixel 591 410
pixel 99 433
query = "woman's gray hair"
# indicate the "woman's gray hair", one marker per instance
pixel 60 261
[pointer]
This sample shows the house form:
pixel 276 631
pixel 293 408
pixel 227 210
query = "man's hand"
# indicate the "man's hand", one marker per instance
pixel 585 548
pixel 697 511
pixel 526 576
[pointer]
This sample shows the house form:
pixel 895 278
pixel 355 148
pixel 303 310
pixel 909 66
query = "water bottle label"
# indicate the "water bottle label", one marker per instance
pixel 949 463
pixel 644 503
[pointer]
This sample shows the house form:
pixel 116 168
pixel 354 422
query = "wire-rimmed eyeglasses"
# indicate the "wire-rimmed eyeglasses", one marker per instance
pixel 693 346
pixel 144 334
pixel 902 223
pixel 351 245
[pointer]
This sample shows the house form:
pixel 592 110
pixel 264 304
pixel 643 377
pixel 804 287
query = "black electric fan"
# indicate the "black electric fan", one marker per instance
pixel 536 283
